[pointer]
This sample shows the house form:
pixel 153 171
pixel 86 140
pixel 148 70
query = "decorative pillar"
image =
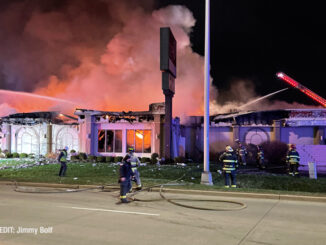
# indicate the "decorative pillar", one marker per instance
pixel 277 124
pixel 236 132
pixel 49 139
pixel 319 136
pixel 158 138
pixel 91 135
pixel 8 137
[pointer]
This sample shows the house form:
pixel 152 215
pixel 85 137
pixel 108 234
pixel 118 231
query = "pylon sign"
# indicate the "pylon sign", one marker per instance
pixel 168 66
pixel 168 82
pixel 168 51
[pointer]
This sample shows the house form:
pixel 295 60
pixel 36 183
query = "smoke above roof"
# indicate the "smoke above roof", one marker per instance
pixel 102 55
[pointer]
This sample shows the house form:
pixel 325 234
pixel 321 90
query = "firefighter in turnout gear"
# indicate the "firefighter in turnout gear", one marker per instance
pixel 260 158
pixel 241 153
pixel 63 161
pixel 230 164
pixel 293 160
pixel 125 175
pixel 134 161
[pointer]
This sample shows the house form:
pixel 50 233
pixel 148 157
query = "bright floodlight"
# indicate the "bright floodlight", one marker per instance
pixel 280 74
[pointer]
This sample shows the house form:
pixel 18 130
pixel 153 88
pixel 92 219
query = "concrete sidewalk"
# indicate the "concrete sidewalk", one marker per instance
pixel 319 198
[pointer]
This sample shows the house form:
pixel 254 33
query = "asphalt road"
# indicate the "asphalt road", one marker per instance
pixel 95 218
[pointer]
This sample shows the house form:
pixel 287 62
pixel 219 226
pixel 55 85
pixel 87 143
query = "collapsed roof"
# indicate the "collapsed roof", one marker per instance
pixel 130 116
pixel 291 117
pixel 32 118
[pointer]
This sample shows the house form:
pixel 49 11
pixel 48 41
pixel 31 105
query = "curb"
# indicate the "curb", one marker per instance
pixel 180 191
pixel 249 195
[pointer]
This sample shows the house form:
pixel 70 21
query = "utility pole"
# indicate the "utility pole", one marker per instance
pixel 206 176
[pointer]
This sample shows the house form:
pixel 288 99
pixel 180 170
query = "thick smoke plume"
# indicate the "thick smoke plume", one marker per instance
pixel 242 92
pixel 101 55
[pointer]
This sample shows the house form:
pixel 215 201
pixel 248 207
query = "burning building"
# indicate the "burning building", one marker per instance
pixel 105 133
pixel 38 132
pixel 304 127
pixel 112 133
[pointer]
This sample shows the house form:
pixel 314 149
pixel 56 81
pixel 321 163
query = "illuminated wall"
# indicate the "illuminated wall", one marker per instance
pixel 34 139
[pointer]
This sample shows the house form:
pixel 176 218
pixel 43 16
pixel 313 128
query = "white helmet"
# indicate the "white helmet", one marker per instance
pixel 228 148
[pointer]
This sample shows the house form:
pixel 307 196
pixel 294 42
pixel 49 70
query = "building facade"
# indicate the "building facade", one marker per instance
pixel 39 133
pixel 104 133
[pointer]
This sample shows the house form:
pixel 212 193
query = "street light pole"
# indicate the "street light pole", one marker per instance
pixel 206 177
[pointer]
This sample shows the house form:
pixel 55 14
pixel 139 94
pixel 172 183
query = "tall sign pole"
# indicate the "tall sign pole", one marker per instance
pixel 206 176
pixel 168 66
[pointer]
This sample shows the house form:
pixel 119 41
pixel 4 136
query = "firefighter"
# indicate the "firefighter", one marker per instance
pixel 125 175
pixel 230 164
pixel 293 160
pixel 134 166
pixel 260 157
pixel 63 161
pixel 241 153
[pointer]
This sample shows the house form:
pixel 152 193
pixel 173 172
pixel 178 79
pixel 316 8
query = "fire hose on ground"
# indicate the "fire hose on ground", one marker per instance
pixel 174 201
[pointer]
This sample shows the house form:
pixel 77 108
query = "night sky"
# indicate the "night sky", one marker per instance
pixel 68 48
pixel 255 39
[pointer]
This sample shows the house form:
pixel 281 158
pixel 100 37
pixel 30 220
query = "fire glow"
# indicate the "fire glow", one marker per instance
pixel 120 74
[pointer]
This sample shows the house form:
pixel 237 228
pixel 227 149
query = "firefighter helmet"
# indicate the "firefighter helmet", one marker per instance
pixel 292 146
pixel 228 148
pixel 131 149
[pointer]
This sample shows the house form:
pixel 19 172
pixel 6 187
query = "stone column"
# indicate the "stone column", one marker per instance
pixel 49 139
pixel 8 137
pixel 236 132
pixel 276 135
pixel 91 139
pixel 319 136
pixel 158 137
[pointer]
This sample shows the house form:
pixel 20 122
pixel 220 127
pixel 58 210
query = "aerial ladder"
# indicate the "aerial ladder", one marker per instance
pixel 302 88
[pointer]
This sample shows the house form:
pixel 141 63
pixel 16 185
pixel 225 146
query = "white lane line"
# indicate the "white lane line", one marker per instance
pixel 110 210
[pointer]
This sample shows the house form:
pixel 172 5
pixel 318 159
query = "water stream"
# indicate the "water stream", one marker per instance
pixel 261 98
pixel 10 92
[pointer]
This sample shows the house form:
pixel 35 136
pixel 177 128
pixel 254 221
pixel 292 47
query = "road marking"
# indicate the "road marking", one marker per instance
pixel 110 210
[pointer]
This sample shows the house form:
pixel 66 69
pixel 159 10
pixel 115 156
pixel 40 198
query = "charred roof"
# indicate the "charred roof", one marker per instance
pixel 32 118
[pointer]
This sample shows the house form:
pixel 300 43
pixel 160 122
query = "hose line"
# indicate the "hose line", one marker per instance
pixel 132 195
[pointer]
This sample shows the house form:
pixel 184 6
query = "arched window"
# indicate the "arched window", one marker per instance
pixel 26 143
pixel 256 136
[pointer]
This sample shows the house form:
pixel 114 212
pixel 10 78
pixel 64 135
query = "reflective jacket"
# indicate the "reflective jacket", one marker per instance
pixel 229 160
pixel 63 156
pixel 134 161
pixel 241 151
pixel 293 157
pixel 125 171
pixel 260 155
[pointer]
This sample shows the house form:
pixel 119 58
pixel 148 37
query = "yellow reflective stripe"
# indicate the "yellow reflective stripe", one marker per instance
pixel 133 169
pixel 133 163
pixel 123 196
pixel 64 157
pixel 229 169
pixel 229 160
